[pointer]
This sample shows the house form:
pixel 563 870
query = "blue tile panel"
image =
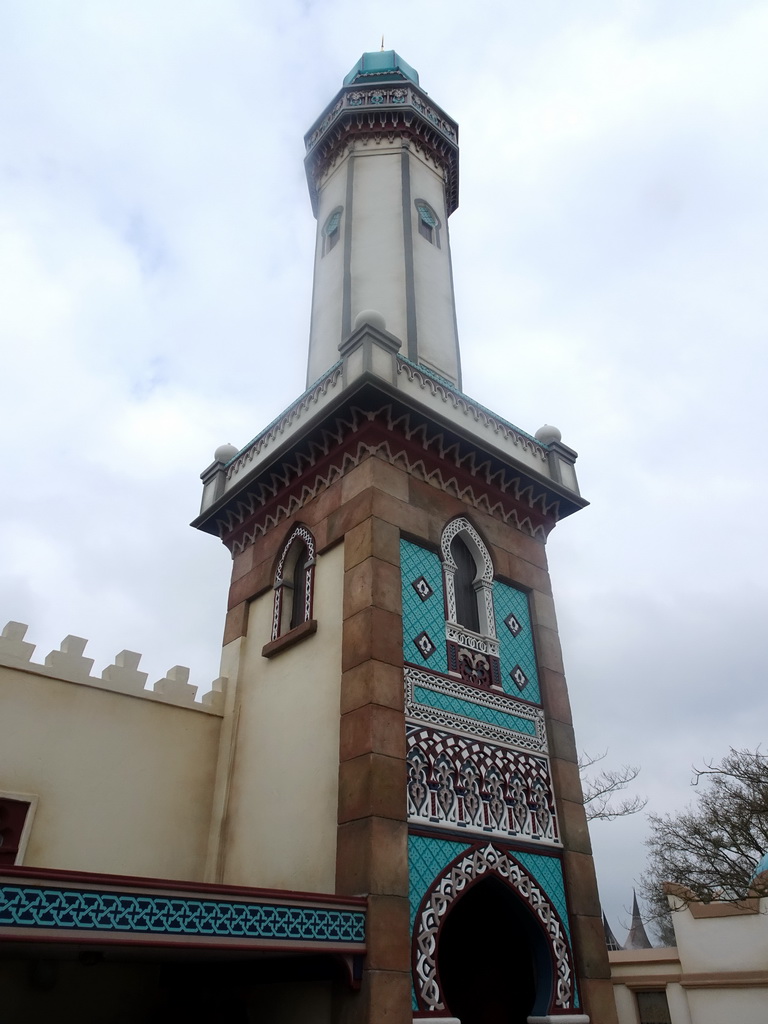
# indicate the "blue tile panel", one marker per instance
pixel 515 650
pixel 423 616
pixel 469 709
pixel 427 857
pixel 428 616
pixel 36 906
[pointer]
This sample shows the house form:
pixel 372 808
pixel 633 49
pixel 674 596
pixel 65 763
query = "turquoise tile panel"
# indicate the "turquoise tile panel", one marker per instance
pixel 423 616
pixel 515 650
pixel 427 857
pixel 548 872
pixel 474 711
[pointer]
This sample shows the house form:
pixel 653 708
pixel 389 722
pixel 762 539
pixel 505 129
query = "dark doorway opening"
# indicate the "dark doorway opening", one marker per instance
pixel 487 956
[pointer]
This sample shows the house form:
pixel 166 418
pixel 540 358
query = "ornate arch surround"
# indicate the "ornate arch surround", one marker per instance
pixel 483 580
pixel 451 884
pixel 299 534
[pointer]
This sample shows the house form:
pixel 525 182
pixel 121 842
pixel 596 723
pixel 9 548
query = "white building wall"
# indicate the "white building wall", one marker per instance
pixel 325 325
pixel 378 255
pixel 123 783
pixel 433 280
pixel 281 821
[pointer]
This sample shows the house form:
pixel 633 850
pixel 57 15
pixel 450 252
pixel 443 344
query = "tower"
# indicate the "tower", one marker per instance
pixel 398 724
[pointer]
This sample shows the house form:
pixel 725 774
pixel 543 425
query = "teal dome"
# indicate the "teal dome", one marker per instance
pixel 381 66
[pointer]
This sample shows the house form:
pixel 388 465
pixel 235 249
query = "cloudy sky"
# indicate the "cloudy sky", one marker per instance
pixel 610 261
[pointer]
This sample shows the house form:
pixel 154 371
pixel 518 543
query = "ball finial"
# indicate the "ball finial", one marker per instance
pixel 372 317
pixel 225 452
pixel 548 434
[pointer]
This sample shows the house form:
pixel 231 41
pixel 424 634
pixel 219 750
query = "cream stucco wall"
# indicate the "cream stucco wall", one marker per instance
pixel 717 973
pixel 123 782
pixel 325 324
pixel 433 279
pixel 378 260
pixel 280 823
pixel 377 255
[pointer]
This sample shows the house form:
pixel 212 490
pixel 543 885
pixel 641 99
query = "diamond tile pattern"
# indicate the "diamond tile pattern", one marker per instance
pixel 427 857
pixel 424 644
pixel 548 872
pixel 422 588
pixel 470 710
pixel 515 650
pixel 423 616
pixel 519 678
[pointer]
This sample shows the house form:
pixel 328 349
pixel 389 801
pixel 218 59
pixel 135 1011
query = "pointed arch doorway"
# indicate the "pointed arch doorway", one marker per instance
pixel 489 956
pixel 504 958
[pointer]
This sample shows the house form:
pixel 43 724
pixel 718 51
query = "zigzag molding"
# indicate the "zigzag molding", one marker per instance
pixel 441 461
pixel 416 469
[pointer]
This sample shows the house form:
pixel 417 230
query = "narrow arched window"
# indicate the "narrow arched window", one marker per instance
pixel 301 594
pixel 332 230
pixel 464 585
pixel 428 222
pixel 470 620
pixel 294 583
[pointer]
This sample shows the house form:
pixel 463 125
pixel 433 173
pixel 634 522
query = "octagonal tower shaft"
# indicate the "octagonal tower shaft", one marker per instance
pixel 382 169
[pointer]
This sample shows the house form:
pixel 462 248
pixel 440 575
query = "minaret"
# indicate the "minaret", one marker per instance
pixel 382 168
pixel 398 723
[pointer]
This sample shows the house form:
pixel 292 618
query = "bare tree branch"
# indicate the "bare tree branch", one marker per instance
pixel 713 847
pixel 600 790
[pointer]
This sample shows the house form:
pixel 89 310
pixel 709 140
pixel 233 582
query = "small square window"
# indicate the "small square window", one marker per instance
pixel 13 818
pixel 653 1007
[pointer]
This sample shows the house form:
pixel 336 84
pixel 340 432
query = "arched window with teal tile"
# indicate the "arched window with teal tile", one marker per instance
pixel 332 230
pixel 428 222
pixel 468 573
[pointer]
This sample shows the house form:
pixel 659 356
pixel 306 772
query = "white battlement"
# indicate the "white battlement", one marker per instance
pixel 123 676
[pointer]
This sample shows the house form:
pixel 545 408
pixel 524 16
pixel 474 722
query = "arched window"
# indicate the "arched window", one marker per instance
pixel 470 627
pixel 464 585
pixel 294 583
pixel 428 222
pixel 468 572
pixel 332 230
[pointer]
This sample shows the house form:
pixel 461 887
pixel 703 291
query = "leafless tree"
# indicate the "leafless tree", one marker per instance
pixel 713 847
pixel 600 789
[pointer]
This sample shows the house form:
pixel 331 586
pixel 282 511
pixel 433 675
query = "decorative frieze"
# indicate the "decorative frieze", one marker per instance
pixel 473 711
pixel 464 784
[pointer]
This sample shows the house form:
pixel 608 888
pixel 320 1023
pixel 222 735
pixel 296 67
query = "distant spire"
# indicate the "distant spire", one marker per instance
pixel 610 939
pixel 382 42
pixel 637 938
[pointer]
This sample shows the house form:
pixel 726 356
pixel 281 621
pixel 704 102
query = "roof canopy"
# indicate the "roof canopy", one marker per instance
pixel 381 65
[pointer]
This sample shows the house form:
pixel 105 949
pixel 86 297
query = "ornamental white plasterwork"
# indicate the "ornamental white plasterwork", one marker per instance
pixel 471 641
pixel 444 390
pixel 300 535
pixel 463 784
pixel 450 885
pixel 497 702
pixel 282 423
pixel 483 584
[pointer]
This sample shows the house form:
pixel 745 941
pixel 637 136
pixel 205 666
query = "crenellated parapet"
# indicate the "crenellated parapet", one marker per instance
pixel 69 664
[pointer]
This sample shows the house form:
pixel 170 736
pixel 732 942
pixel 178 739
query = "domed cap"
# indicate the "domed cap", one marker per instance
pixel 381 66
